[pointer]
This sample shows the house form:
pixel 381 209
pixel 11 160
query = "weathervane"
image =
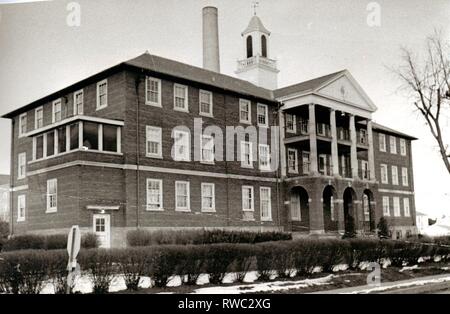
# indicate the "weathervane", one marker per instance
pixel 255 4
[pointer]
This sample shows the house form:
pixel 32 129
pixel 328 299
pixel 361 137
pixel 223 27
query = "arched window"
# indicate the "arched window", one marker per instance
pixel 249 47
pixel 264 46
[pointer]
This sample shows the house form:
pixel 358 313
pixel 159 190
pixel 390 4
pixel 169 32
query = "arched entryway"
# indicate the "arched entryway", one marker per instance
pixel 299 209
pixel 349 210
pixel 330 219
pixel 368 219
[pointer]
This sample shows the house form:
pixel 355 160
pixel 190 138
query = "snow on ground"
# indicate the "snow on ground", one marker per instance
pixel 409 268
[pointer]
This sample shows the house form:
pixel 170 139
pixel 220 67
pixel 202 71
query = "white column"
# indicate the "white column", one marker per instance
pixel 334 146
pixel 371 157
pixel 353 155
pixel 313 167
pixel 282 146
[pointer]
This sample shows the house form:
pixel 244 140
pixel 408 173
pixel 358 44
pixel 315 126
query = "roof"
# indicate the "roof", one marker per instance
pixel 385 129
pixel 307 85
pixel 255 25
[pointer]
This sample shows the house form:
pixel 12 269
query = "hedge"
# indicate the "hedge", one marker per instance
pixel 26 271
pixel 46 242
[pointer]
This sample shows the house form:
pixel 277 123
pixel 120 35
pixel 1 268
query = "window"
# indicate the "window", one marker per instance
pixel 366 207
pixel 245 111
pixel 296 213
pixel 402 147
pixel 90 136
pixel 291 126
pixel 396 201
pixel 22 171
pixel 208 197
pixel 264 157
pixel 153 91
pixel 39 150
pixel 62 139
pixel 384 174
pixel 249 47
pixel 52 190
pixel 305 162
pixel 182 196
pixel 263 115
pixel 406 210
pixel 154 141
pixel 21 207
pixel 180 97
pixel 110 138
pixel 22 124
pixel 394 175
pixel 292 161
pixel 386 210
pixel 206 104
pixel 182 146
pixel 207 144
pixel 50 144
pixel 246 154
pixel 265 204
pixel 382 142
pixel 78 102
pixel 247 198
pixel 264 46
pixel 365 169
pixel 102 94
pixel 74 136
pixel 393 144
pixel 56 116
pixel 39 118
pixel 405 176
pixel 363 137
pixel 154 194
pixel 332 212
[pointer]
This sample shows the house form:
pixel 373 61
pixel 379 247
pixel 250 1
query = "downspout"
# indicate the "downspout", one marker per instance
pixel 279 186
pixel 137 83
pixel 11 182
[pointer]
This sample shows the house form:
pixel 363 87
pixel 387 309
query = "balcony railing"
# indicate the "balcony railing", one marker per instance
pixel 242 64
pixel 323 130
pixel 343 134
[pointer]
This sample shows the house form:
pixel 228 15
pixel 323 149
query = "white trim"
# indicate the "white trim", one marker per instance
pixel 264 168
pixel 250 151
pixel 396 209
pixel 161 207
pixel 21 175
pixel 20 124
pixel 75 107
pixel 188 197
pixel 19 188
pixel 73 151
pixel 385 201
pixel 49 208
pixel 384 166
pixel 186 98
pixel 394 173
pixel 393 144
pixel 210 114
pixel 382 148
pixel 296 160
pixel 269 218
pixel 102 207
pixel 107 232
pixel 148 129
pixel 19 198
pixel 266 115
pixel 175 156
pixel 97 106
pixel 56 102
pixel 252 204
pixel 406 202
pixel 148 102
pixel 213 208
pixel 208 162
pixel 403 151
pixel 241 102
pixel 405 176
pixel 41 108
pixel 396 191
pixel 294 123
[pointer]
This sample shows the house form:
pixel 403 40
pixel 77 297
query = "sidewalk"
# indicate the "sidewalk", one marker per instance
pixel 386 286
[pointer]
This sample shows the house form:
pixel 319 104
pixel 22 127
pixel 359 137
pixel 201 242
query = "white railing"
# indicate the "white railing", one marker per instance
pixel 242 64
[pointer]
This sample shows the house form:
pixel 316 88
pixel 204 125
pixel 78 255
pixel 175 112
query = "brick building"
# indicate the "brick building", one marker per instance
pixel 121 150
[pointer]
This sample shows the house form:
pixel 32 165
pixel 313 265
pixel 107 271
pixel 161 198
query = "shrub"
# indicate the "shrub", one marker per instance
pixel 349 228
pixel 266 256
pixel 46 242
pixel 244 260
pixel 283 259
pixel 383 228
pixel 362 250
pixel 192 263
pixel 55 242
pixel 4 233
pixel 133 264
pixel 305 255
pixel 164 261
pixel 331 252
pixel 218 261
pixel 25 242
pixel 89 241
pixel 101 271
pixel 57 269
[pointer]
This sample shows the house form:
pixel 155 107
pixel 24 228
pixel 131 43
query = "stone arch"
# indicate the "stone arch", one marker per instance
pixel 368 211
pixel 349 199
pixel 299 208
pixel 330 217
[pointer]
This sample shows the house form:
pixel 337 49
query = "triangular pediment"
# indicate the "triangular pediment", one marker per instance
pixel 345 88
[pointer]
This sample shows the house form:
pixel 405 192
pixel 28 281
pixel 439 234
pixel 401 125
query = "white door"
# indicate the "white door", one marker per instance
pixel 102 228
pixel 296 213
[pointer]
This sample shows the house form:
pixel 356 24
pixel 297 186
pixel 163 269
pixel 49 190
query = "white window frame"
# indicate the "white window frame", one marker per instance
pixel 148 130
pixel 98 106
pixel 75 104
pixel 210 94
pixel 269 217
pixel 243 159
pixel 22 162
pixel 211 138
pixel 386 207
pixel 160 184
pixel 266 115
pixel 396 206
pixel 21 215
pixel 394 173
pixel 21 125
pixel 252 203
pixel 186 100
pixel 41 110
pixel 147 100
pixel 384 179
pixel 52 209
pixel 406 207
pixel 213 203
pixel 402 147
pixel 405 178
pixel 294 123
pixel 393 144
pixel 56 103
pixel 249 103
pixel 261 166
pixel 187 208
pixel 290 150
pixel 382 142
pixel 176 157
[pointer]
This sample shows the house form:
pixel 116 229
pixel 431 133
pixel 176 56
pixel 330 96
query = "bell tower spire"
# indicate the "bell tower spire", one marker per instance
pixel 256 66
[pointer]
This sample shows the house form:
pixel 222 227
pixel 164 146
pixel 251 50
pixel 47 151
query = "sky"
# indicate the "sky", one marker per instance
pixel 40 53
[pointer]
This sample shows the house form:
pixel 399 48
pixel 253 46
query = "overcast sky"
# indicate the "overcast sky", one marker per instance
pixel 40 53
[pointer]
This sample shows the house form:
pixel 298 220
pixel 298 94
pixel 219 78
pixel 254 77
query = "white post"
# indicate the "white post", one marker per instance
pixel 334 146
pixel 353 151
pixel 314 170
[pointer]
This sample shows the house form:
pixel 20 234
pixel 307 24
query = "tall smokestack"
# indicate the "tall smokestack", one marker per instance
pixel 211 59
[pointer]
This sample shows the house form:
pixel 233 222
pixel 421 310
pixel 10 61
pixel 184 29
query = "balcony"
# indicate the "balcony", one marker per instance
pixel 363 139
pixel 343 134
pixel 243 64
pixel 323 130
pixel 304 127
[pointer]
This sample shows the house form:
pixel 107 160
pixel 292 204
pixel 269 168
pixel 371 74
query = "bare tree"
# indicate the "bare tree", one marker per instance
pixel 427 80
